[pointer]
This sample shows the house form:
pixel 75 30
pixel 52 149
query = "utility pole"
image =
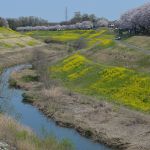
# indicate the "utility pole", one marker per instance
pixel 66 14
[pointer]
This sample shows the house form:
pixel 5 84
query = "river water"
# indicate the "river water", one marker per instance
pixel 11 105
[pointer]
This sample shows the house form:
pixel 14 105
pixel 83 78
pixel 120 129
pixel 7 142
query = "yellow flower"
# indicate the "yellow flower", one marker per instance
pixel 79 74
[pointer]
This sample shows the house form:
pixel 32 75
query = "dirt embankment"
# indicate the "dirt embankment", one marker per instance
pixel 13 136
pixel 112 125
pixel 19 56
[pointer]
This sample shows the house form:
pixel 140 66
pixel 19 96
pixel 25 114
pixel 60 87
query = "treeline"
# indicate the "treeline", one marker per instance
pixel 78 21
pixel 26 21
pixel 85 25
pixel 13 23
pixel 136 21
pixel 3 22
pixel 78 18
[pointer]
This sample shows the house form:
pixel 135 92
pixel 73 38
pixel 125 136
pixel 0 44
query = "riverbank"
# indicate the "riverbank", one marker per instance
pixel 12 105
pixel 20 56
pixel 12 134
pixel 112 125
pixel 115 126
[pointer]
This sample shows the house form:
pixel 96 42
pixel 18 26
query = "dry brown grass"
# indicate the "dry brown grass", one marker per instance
pixel 10 131
pixel 140 41
pixel 53 92
pixel 116 126
pixel 22 138
pixel 16 57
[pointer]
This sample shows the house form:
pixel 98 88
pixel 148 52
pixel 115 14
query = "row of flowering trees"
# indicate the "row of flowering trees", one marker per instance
pixel 83 25
pixel 136 20
pixel 3 22
pixel 79 21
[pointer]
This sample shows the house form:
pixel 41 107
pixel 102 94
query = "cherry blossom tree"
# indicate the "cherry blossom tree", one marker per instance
pixel 102 22
pixel 3 22
pixel 137 20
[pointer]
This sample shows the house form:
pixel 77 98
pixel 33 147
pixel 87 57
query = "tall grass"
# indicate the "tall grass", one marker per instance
pixel 24 139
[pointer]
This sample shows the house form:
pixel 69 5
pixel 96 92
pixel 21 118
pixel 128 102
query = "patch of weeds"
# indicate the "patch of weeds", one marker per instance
pixel 5 45
pixel 28 97
pixel 22 134
pixel 13 83
pixel 88 133
pixel 20 45
pixel 30 78
pixel 32 43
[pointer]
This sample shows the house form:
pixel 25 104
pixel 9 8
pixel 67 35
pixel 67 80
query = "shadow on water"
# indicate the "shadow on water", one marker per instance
pixel 11 104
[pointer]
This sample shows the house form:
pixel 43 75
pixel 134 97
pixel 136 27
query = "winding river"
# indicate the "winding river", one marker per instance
pixel 11 105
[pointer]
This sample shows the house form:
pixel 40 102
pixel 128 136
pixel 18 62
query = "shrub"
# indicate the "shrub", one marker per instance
pixel 30 78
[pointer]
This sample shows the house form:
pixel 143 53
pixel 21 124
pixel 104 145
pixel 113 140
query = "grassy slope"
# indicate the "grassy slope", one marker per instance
pixel 99 38
pixel 140 41
pixel 10 131
pixel 10 39
pixel 102 48
pixel 111 70
pixel 24 139
pixel 117 84
pixel 121 55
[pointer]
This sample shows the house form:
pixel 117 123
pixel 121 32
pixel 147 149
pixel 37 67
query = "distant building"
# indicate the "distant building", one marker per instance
pixel 111 25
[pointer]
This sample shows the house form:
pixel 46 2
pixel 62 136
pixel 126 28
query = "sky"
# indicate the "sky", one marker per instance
pixel 54 10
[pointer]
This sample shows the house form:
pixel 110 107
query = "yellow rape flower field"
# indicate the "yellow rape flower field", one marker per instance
pixel 101 37
pixel 117 84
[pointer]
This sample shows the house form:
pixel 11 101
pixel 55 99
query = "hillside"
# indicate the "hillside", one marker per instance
pixel 105 68
pixel 117 84
pixel 101 91
pixel 11 47
pixel 10 40
pixel 91 38
pixel 100 46
pixel 142 42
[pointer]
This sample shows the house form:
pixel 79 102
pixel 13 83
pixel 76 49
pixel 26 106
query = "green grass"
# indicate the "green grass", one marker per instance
pixel 10 39
pixel 5 45
pixel 100 46
pixel 24 139
pixel 122 56
pixel 30 78
pixel 32 43
pixel 113 71
pixel 102 37
pixel 117 84
pixel 140 41
pixel 12 83
pixel 8 33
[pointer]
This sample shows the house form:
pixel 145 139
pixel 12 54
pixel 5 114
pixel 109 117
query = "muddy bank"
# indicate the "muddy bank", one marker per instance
pixel 112 125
